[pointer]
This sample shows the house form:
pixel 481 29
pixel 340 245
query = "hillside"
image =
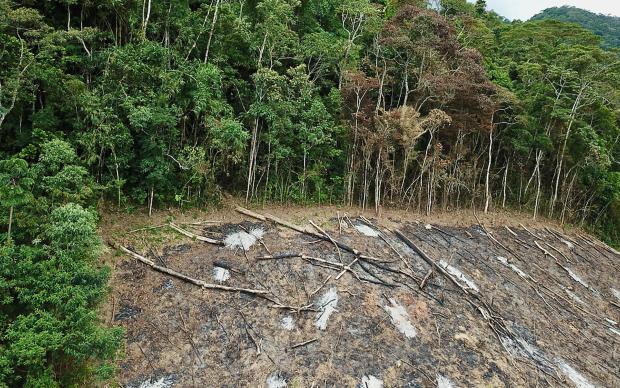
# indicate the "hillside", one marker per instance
pixel 402 301
pixel 138 108
pixel 605 26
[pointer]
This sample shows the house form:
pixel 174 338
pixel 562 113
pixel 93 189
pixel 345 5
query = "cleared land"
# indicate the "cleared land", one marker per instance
pixel 398 300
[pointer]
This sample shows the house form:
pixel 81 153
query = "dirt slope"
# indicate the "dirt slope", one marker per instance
pixel 505 304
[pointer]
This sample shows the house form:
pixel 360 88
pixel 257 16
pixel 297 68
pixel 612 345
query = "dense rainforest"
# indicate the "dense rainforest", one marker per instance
pixel 605 26
pixel 122 103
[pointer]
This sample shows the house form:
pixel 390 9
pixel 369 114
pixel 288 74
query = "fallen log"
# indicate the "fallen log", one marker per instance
pixel 431 262
pixel 559 252
pixel 562 237
pixel 426 277
pixel 279 221
pixel 339 244
pixel 195 236
pixel 178 275
pixel 440 230
pixel 493 318
pixel 275 219
pixel 567 270
pixel 327 263
pixel 377 279
pixel 597 243
pixel 330 239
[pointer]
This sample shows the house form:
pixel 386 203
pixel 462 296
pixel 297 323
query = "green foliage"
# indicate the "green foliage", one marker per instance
pixel 605 26
pixel 396 101
pixel 50 284
pixel 50 290
pixel 16 181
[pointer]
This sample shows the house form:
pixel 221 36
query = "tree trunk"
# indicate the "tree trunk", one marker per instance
pixel 536 169
pixel 487 189
pixel 146 14
pixel 537 192
pixel 4 113
pixel 378 183
pixel 558 172
pixel 204 23
pixel 406 81
pixel 567 199
pixel 351 178
pixel 423 168
pixel 118 177
pixel 8 235
pixel 429 193
pixel 252 162
pixel 267 187
pixel 215 13
pixel 151 201
pixel 303 178
pixel 118 183
pixel 380 97
pixel 261 51
pixel 504 184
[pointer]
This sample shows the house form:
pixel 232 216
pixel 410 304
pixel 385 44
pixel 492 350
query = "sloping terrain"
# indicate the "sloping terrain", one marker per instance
pixel 389 301
pixel 605 26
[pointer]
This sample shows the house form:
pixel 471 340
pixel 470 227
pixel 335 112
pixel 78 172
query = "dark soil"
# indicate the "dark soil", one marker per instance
pixel 181 335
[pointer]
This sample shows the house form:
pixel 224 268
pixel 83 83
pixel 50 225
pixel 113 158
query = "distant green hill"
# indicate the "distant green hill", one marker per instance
pixel 607 27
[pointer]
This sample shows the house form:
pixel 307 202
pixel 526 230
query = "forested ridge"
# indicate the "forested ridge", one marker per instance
pixel 605 26
pixel 429 106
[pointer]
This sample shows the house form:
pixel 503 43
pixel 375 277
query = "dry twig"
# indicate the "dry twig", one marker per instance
pixel 304 343
pixel 195 236
pixel 197 282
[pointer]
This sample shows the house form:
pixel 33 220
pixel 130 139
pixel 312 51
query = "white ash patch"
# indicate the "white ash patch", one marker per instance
pixel 401 319
pixel 573 295
pixel 577 378
pixel 613 329
pixel 275 380
pixel 367 230
pixel 513 267
pixel 459 275
pixel 512 347
pixel 287 323
pixel 616 293
pixel 243 239
pixel 163 382
pixel 481 232
pixel 220 274
pixel 576 278
pixel 404 248
pixel 327 306
pixel 444 382
pixel 502 260
pixel 371 382
pixel 518 271
pixel 569 244
pixel 522 348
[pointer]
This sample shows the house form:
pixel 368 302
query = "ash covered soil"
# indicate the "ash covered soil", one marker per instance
pixel 446 303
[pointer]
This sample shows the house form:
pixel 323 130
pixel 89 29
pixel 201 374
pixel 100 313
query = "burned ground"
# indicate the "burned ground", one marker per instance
pixel 507 305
